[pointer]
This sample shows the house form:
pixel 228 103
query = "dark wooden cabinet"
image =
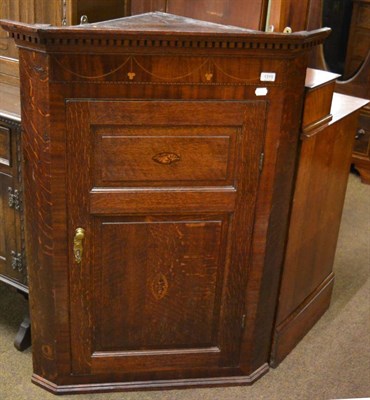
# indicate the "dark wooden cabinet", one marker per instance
pixel 361 150
pixel 359 85
pixel 357 75
pixel 358 61
pixel 12 245
pixel 159 159
pixel 13 259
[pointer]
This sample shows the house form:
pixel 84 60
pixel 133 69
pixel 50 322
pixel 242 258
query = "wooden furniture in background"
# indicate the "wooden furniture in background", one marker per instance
pixel 251 14
pixel 358 62
pixel 328 129
pixel 359 85
pixel 359 37
pixel 247 14
pixel 146 140
pixel 295 14
pixel 56 12
pixel 13 263
pixel 358 65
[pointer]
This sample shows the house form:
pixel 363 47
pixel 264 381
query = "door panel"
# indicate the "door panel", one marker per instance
pixel 7 231
pixel 166 247
pixel 5 146
pixel 170 155
pixel 176 258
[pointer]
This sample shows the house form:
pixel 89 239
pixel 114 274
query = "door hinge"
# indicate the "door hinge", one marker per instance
pixel 261 162
pixel 17 261
pixel 243 321
pixel 14 198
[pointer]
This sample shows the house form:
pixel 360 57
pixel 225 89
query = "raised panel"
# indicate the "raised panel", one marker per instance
pixel 157 283
pixel 172 154
pixel 4 179
pixel 5 146
pixel 7 231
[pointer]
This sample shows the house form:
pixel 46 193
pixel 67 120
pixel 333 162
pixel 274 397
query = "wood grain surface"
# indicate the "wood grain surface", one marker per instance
pixel 178 282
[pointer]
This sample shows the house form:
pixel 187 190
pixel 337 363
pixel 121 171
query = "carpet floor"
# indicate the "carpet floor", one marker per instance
pixel 331 362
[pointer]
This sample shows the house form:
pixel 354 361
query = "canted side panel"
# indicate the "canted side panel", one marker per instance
pixel 42 210
pixel 157 283
pixel 315 219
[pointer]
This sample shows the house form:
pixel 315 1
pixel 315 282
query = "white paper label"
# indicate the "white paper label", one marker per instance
pixel 261 91
pixel 268 76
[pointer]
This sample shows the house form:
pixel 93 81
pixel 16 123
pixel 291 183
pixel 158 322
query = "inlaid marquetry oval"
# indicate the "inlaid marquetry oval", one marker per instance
pixel 159 286
pixel 166 158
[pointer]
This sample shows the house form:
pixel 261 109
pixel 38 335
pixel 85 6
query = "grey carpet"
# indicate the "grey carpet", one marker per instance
pixel 331 362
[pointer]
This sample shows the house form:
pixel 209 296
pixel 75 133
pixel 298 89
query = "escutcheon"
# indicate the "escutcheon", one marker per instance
pixel 77 244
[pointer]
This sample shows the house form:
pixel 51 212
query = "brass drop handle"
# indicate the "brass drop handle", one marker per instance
pixel 77 244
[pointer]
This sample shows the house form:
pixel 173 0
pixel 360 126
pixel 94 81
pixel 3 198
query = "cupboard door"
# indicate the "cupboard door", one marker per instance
pixel 12 263
pixel 10 268
pixel 165 193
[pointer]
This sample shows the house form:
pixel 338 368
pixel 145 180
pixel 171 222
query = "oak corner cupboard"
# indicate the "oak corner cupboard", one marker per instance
pixel 159 157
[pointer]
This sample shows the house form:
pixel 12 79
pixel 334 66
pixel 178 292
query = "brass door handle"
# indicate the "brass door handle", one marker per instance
pixel 77 244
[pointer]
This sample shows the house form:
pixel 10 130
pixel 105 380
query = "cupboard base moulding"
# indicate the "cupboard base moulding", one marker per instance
pixel 151 385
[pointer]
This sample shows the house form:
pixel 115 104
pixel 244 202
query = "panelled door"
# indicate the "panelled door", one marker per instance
pixel 161 199
pixel 11 260
pixel 8 245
